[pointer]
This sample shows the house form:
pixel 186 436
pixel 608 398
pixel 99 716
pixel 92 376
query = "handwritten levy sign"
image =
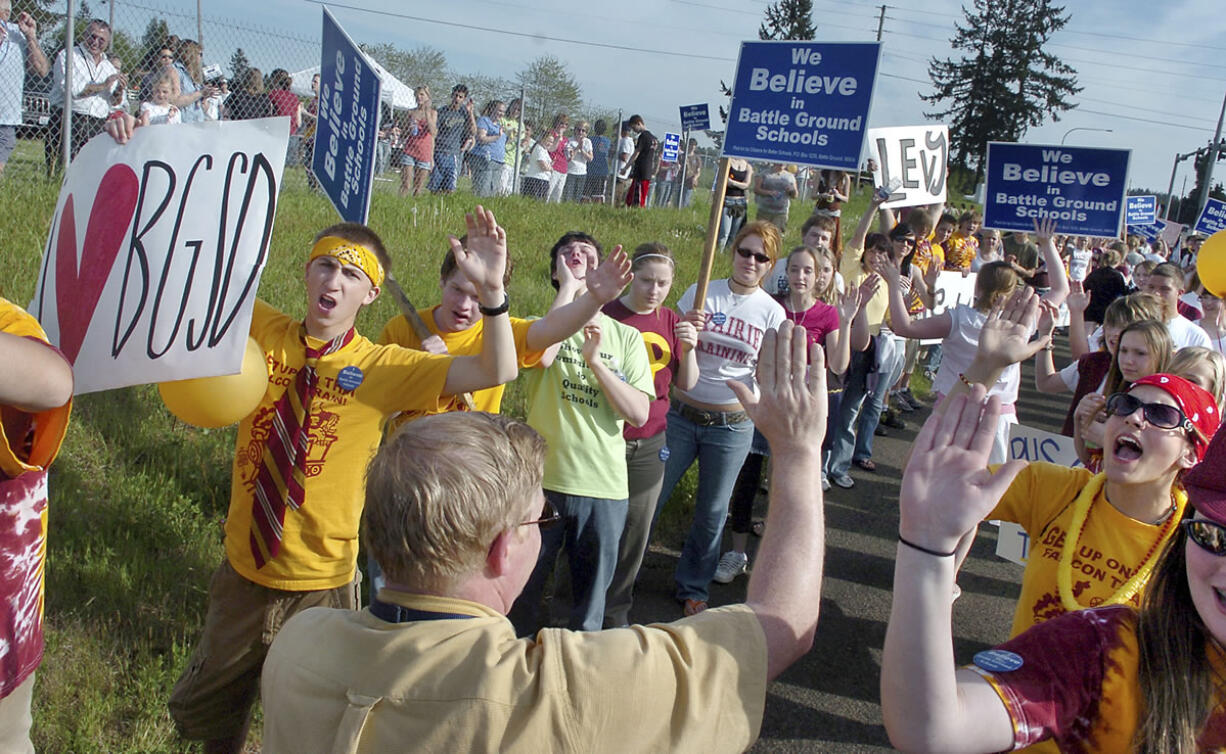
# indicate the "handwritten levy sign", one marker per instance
pixel 1030 444
pixel 1081 188
pixel 156 251
pixel 348 123
pixel 802 102
pixel 915 155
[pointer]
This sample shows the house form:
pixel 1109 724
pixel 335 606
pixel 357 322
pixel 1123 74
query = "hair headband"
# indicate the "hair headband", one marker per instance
pixel 350 252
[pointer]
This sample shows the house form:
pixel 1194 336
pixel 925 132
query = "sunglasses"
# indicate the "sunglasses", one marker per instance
pixel 1158 414
pixel 757 256
pixel 1210 536
pixel 549 517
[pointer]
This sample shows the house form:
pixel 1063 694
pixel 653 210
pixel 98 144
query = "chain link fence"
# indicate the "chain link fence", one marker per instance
pixel 169 62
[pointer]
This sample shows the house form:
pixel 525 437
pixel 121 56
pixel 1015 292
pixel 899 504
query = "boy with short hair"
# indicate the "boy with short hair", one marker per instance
pixel 579 397
pixel 296 493
pixel 35 400
pixel 1166 282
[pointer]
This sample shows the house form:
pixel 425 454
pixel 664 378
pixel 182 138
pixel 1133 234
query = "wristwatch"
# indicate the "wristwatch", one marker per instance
pixel 495 311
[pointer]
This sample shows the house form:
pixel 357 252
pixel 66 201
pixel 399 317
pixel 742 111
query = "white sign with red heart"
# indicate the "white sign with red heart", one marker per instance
pixel 156 249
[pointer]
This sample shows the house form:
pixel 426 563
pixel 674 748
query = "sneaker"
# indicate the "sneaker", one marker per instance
pixel 908 398
pixel 843 480
pixel 825 482
pixel 901 403
pixel 731 565
pixel 892 420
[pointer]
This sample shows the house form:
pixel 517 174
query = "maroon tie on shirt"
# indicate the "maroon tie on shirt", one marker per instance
pixel 282 475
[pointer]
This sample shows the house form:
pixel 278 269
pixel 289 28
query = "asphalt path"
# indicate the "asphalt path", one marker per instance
pixel 828 701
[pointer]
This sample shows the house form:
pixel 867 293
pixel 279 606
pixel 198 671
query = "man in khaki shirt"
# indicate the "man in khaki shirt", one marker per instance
pixel 453 513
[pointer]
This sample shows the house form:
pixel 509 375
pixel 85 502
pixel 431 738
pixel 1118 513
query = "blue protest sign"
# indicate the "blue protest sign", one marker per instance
pixel 695 117
pixel 802 102
pixel 1082 188
pixel 1141 210
pixel 1148 231
pixel 1212 218
pixel 347 125
pixel 671 146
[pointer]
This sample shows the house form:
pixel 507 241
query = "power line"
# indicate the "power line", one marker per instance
pixel 525 35
pixel 1144 120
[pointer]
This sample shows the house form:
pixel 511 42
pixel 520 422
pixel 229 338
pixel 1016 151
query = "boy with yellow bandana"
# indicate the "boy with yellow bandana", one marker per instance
pixel 296 490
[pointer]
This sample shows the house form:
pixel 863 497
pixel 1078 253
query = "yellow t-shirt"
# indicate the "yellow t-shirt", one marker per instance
pixel 467 342
pixel 319 547
pixel 878 307
pixel 1111 548
pixel 469 685
pixel 48 427
pixel 961 251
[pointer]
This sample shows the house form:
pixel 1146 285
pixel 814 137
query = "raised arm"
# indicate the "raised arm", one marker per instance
pixel 927 704
pixel 33 376
pixel 36 61
pixel 1078 301
pixel 1057 278
pixel 483 262
pixel 901 323
pixel 790 411
pixel 858 235
pixel 627 401
pixel 604 283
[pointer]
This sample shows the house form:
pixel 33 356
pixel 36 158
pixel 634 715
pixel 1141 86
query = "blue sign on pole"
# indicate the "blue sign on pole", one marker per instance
pixel 1082 188
pixel 1141 210
pixel 671 146
pixel 695 117
pixel 347 125
pixel 802 102
pixel 1212 217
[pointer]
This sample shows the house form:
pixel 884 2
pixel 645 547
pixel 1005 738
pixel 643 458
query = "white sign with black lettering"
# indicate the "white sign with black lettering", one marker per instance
pixel 915 155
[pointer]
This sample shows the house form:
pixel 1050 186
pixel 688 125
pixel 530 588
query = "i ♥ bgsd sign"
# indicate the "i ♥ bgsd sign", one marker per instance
pixel 156 250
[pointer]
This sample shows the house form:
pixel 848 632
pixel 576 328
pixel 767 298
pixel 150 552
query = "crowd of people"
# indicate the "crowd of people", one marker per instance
pixel 792 356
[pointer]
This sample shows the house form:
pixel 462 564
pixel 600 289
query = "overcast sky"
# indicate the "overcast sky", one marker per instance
pixel 1153 72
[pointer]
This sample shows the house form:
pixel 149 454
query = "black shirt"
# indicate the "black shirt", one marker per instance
pixel 645 163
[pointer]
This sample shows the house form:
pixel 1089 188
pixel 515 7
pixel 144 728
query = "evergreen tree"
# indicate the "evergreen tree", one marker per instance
pixel 238 64
pixel 1005 82
pixel 786 19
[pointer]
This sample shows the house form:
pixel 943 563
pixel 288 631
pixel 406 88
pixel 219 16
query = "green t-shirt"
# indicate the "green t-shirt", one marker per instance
pixel 586 454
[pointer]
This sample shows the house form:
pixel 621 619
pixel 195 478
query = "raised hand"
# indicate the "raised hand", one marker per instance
pixel 790 408
pixel 947 488
pixel 1005 336
pixel 607 281
pixel 28 27
pixel 867 289
pixel 591 342
pixel 849 303
pixel 1078 297
pixel 887 269
pixel 484 260
pixel 1044 228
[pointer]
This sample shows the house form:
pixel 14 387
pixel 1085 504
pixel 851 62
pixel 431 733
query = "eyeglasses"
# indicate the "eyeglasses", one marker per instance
pixel 1210 536
pixel 908 240
pixel 757 256
pixel 549 517
pixel 1158 414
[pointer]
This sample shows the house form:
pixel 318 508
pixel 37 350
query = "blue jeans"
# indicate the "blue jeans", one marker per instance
pixel 446 172
pixel 721 451
pixel 730 225
pixel 590 530
pixel 860 410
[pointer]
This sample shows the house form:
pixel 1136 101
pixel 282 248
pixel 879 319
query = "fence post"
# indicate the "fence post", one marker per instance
pixel 519 139
pixel 66 132
pixel 199 26
pixel 615 146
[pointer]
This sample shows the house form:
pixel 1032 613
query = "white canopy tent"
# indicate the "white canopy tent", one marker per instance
pixel 395 92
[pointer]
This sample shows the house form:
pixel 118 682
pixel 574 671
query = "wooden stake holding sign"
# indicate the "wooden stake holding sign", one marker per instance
pixel 420 329
pixel 708 250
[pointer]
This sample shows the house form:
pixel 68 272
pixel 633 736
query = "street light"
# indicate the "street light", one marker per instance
pixel 1066 133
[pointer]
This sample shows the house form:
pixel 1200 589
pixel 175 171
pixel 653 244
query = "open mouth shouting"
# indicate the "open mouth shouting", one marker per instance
pixel 1127 449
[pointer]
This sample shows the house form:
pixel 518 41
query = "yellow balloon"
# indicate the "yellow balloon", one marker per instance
pixel 219 401
pixel 1211 264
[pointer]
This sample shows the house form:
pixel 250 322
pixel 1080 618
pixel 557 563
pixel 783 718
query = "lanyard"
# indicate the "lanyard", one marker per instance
pixel 390 613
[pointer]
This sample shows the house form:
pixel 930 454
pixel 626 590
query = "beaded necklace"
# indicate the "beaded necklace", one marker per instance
pixel 1081 512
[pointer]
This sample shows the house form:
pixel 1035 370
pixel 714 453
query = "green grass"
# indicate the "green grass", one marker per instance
pixel 137 496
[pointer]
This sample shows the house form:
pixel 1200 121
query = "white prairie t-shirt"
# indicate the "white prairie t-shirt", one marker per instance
pixel 728 346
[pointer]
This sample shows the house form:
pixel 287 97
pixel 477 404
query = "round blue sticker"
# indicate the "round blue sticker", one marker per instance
pixel 665 453
pixel 998 660
pixel 719 318
pixel 350 378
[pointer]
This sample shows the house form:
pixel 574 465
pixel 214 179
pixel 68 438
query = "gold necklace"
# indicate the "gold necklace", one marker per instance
pixel 1081 511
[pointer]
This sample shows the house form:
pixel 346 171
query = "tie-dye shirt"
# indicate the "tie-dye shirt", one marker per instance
pixel 28 444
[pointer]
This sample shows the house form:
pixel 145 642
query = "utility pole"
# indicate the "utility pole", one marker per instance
pixel 881 23
pixel 1171 187
pixel 1212 158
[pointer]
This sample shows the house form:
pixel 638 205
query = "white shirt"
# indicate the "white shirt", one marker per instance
pixel 13 52
pixel 728 346
pixel 1184 332
pixel 625 146
pixel 84 72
